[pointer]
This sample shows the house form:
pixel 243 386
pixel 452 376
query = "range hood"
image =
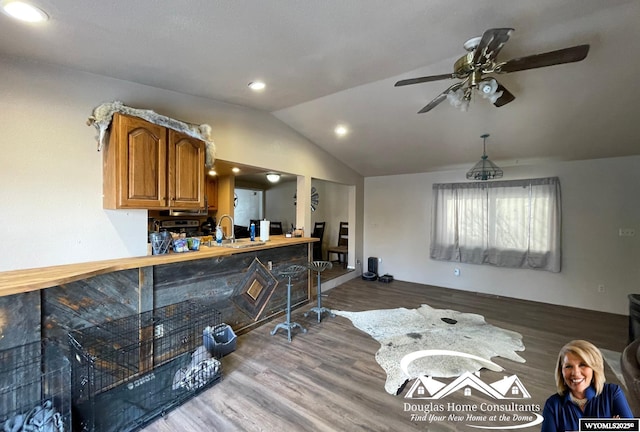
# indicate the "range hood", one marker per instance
pixel 190 212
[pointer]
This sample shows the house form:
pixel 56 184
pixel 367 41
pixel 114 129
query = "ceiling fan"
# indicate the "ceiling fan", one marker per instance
pixel 481 60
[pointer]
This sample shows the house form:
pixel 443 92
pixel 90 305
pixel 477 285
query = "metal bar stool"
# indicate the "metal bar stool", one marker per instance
pixel 319 267
pixel 288 325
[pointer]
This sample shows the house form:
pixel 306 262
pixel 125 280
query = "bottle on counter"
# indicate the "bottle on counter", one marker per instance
pixel 252 231
pixel 219 234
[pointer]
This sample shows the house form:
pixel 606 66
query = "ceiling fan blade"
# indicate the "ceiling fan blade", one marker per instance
pixel 566 55
pixel 505 98
pixel 423 79
pixel 490 45
pixel 442 96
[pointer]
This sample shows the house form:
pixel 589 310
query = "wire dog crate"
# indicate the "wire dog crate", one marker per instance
pixel 35 388
pixel 128 371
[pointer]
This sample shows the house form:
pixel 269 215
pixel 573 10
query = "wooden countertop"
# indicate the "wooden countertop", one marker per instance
pixel 21 281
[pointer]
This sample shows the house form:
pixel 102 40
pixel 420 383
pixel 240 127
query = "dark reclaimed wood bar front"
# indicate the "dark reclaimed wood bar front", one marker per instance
pixel 244 284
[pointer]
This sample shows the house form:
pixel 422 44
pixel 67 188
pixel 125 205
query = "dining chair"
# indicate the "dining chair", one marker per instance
pixel 342 248
pixel 318 232
pixel 275 228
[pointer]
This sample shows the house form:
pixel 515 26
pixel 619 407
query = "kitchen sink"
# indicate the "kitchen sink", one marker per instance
pixel 242 243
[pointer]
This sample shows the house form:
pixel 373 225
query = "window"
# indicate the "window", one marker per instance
pixel 507 223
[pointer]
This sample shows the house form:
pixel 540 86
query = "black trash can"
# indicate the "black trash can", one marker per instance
pixel 634 317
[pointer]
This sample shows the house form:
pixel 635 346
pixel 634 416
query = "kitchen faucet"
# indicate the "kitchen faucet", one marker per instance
pixel 231 238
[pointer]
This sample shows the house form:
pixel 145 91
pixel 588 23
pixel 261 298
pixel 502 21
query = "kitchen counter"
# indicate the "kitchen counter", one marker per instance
pixel 21 281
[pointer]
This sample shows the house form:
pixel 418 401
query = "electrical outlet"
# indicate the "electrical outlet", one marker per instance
pixel 270 265
pixel 158 331
pixel 456 271
pixel 600 288
pixel 626 232
pixel 357 262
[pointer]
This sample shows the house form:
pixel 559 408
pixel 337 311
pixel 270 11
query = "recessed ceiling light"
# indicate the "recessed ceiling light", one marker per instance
pixel 212 173
pixel 257 85
pixel 341 130
pixel 24 11
pixel 235 170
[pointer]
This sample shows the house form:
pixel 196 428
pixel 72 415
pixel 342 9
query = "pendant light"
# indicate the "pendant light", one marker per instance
pixel 484 169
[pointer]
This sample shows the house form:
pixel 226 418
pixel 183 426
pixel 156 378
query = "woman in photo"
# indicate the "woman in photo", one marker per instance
pixel 582 390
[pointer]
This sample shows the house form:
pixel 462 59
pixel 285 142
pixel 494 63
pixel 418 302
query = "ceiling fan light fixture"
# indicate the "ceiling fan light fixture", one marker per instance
pixel 488 87
pixel 494 97
pixel 459 99
pixel 482 59
pixel 273 177
pixel 484 169
pixel 472 43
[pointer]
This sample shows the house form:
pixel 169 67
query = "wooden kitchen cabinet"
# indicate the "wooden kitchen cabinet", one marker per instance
pixel 212 193
pixel 147 166
pixel 186 171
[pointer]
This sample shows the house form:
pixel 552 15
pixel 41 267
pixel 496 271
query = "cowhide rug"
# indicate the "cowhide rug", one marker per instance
pixel 443 333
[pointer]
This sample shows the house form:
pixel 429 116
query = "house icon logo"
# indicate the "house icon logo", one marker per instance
pixel 499 402
pixel 507 388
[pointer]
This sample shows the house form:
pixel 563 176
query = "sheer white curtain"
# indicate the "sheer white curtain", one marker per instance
pixel 512 223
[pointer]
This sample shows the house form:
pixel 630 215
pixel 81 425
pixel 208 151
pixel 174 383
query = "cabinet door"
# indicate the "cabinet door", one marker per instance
pixel 186 171
pixel 135 170
pixel 212 193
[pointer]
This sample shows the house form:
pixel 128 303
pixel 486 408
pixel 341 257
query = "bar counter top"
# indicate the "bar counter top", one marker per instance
pixel 21 281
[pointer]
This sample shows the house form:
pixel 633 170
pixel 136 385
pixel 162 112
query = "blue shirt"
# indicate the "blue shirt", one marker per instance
pixel 560 414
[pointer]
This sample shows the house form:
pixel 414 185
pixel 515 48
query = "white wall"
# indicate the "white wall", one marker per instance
pixel 279 204
pixel 249 206
pixel 51 175
pixel 333 208
pixel 598 198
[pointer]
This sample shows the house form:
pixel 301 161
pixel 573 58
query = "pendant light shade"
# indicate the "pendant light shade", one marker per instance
pixel 484 169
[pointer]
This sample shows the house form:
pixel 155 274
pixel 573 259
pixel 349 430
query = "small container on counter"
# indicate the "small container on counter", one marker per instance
pixel 193 243
pixel 160 242
pixel 180 245
pixel 219 234
pixel 186 244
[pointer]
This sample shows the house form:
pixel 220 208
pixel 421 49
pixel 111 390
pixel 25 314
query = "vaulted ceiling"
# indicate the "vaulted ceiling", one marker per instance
pixel 336 62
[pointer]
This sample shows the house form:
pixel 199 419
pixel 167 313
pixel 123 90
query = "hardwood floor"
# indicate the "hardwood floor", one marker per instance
pixel 328 379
